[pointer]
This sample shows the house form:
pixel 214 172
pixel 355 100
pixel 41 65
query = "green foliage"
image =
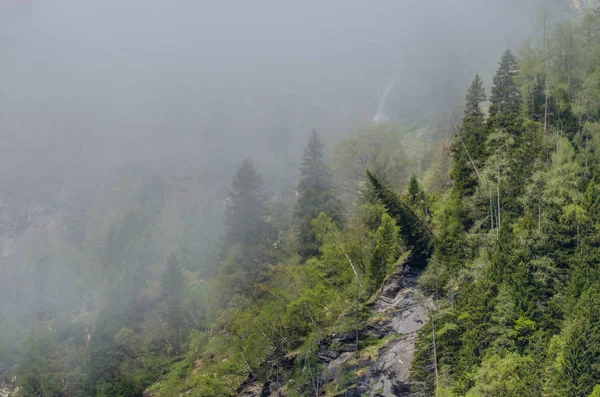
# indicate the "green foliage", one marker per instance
pixel 412 230
pixel 578 361
pixel 511 375
pixel 469 144
pixel 511 247
pixel 505 100
pixel 415 194
pixel 315 195
pixel 380 147
pixel 35 367
pixel 595 392
pixel 385 253
pixel 246 207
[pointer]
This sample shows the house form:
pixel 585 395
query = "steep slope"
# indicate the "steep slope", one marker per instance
pixel 381 366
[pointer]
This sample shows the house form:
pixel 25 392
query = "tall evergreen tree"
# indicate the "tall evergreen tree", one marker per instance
pixel 469 145
pixel 415 194
pixel 246 207
pixel 581 351
pixel 385 253
pixel 505 101
pixel 412 229
pixel 315 195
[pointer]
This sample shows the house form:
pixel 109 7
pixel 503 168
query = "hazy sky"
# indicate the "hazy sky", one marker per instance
pixel 99 83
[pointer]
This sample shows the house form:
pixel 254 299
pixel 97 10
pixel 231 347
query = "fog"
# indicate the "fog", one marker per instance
pixel 123 121
pixel 187 89
pixel 188 84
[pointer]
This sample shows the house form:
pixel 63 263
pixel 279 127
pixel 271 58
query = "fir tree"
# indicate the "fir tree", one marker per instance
pixel 415 194
pixel 246 207
pixel 172 279
pixel 505 101
pixel 315 195
pixel 469 145
pixel 581 351
pixel 385 253
pixel 412 229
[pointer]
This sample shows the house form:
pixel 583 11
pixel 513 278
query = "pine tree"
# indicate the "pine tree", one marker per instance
pixel 505 101
pixel 172 279
pixel 246 207
pixel 412 229
pixel 579 367
pixel 469 144
pixel 385 253
pixel 415 194
pixel 315 195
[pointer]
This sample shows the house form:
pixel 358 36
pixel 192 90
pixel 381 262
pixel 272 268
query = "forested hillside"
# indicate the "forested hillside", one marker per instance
pixel 468 249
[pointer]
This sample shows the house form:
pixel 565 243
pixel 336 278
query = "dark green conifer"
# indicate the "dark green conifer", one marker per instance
pixel 315 195
pixel 412 229
pixel 505 101
pixel 469 144
pixel 415 194
pixel 581 351
pixel 246 207
pixel 385 253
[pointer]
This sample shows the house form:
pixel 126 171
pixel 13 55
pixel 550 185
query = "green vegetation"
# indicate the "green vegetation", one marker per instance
pixel 504 228
pixel 515 268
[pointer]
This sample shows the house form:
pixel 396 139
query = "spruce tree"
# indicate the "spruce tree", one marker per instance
pixel 581 352
pixel 469 144
pixel 505 101
pixel 315 195
pixel 385 253
pixel 412 229
pixel 246 207
pixel 415 194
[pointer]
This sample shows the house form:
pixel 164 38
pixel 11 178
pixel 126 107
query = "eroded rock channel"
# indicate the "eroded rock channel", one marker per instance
pixel 382 368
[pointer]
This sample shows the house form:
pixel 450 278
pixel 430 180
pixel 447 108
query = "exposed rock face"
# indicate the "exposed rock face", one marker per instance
pixel 7 389
pixel 389 374
pixel 385 370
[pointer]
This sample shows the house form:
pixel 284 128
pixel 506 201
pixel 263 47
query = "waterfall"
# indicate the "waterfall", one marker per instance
pixel 380 116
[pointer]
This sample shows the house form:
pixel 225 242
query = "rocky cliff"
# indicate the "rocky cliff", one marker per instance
pixel 381 365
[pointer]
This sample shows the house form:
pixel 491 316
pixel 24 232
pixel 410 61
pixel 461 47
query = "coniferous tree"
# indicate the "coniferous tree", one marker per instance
pixel 507 148
pixel 469 144
pixel 505 101
pixel 315 195
pixel 385 253
pixel 415 194
pixel 581 351
pixel 246 207
pixel 412 229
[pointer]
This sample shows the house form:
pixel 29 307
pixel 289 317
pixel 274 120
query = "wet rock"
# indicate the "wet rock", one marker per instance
pixel 388 373
pixel 335 367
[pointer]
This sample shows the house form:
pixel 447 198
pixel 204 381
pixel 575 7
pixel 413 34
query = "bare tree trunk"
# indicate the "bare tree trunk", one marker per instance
pixel 358 286
pixel 585 172
pixel 480 180
pixel 180 348
pixel 435 367
pixel 491 213
pixel 546 88
pixel 539 207
pixel 498 191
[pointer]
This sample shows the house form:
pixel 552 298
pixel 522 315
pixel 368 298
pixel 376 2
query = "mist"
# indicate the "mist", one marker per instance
pixel 99 100
pixel 185 84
